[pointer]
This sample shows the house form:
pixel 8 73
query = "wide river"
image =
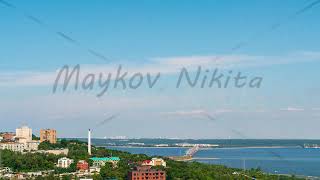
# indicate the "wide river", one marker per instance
pixel 297 161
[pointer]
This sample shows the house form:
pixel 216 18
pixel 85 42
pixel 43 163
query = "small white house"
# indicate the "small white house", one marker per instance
pixel 154 162
pixel 64 162
pixel 158 162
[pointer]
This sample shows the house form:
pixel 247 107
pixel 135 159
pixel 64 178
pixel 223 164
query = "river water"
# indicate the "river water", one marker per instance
pixel 292 160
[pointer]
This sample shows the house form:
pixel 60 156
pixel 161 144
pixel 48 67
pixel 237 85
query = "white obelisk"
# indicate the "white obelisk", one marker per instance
pixel 89 142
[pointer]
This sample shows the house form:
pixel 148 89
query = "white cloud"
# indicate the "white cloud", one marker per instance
pixel 164 65
pixel 239 60
pixel 196 112
pixel 292 109
pixel 185 113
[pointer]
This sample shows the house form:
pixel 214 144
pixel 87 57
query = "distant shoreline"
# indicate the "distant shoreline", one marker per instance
pixel 235 147
pixel 195 139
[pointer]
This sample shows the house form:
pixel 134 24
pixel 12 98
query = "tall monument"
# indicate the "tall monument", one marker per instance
pixel 89 142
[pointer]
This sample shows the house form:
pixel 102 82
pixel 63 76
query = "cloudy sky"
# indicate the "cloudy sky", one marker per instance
pixel 277 41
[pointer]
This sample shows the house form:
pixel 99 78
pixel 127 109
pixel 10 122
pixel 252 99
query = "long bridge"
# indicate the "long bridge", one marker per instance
pixel 188 155
pixel 190 152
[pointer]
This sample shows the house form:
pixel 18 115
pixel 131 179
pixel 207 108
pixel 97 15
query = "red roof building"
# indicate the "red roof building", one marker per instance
pixel 82 165
pixel 8 136
pixel 147 163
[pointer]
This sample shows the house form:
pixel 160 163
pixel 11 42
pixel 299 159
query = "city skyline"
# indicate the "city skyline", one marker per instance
pixel 281 47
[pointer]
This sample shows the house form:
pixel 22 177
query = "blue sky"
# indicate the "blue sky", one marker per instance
pixel 163 36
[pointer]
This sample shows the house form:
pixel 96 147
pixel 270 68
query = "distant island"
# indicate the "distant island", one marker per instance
pixel 204 143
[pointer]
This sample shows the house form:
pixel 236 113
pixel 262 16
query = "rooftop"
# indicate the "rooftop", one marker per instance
pixel 105 158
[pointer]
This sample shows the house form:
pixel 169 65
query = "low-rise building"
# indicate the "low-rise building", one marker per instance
pixel 94 169
pixel 64 162
pixel 154 162
pixel 32 145
pixel 19 146
pixel 13 146
pixel 82 165
pixel 7 136
pixel 101 161
pixel 58 151
pixel 21 141
pixel 34 174
pixel 158 162
pixel 145 172
pixel 147 163
pixel 54 151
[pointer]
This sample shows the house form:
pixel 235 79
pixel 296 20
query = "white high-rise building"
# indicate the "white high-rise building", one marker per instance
pixel 24 133
pixel 23 141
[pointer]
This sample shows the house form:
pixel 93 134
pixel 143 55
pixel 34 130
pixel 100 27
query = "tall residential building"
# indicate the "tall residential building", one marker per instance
pixel 49 135
pixel 24 134
pixel 145 172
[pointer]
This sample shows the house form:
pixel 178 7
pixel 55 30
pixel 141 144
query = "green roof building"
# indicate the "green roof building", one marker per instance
pixel 101 161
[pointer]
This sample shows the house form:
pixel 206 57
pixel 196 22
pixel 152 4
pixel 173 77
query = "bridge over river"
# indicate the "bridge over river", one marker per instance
pixel 188 155
pixel 192 151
